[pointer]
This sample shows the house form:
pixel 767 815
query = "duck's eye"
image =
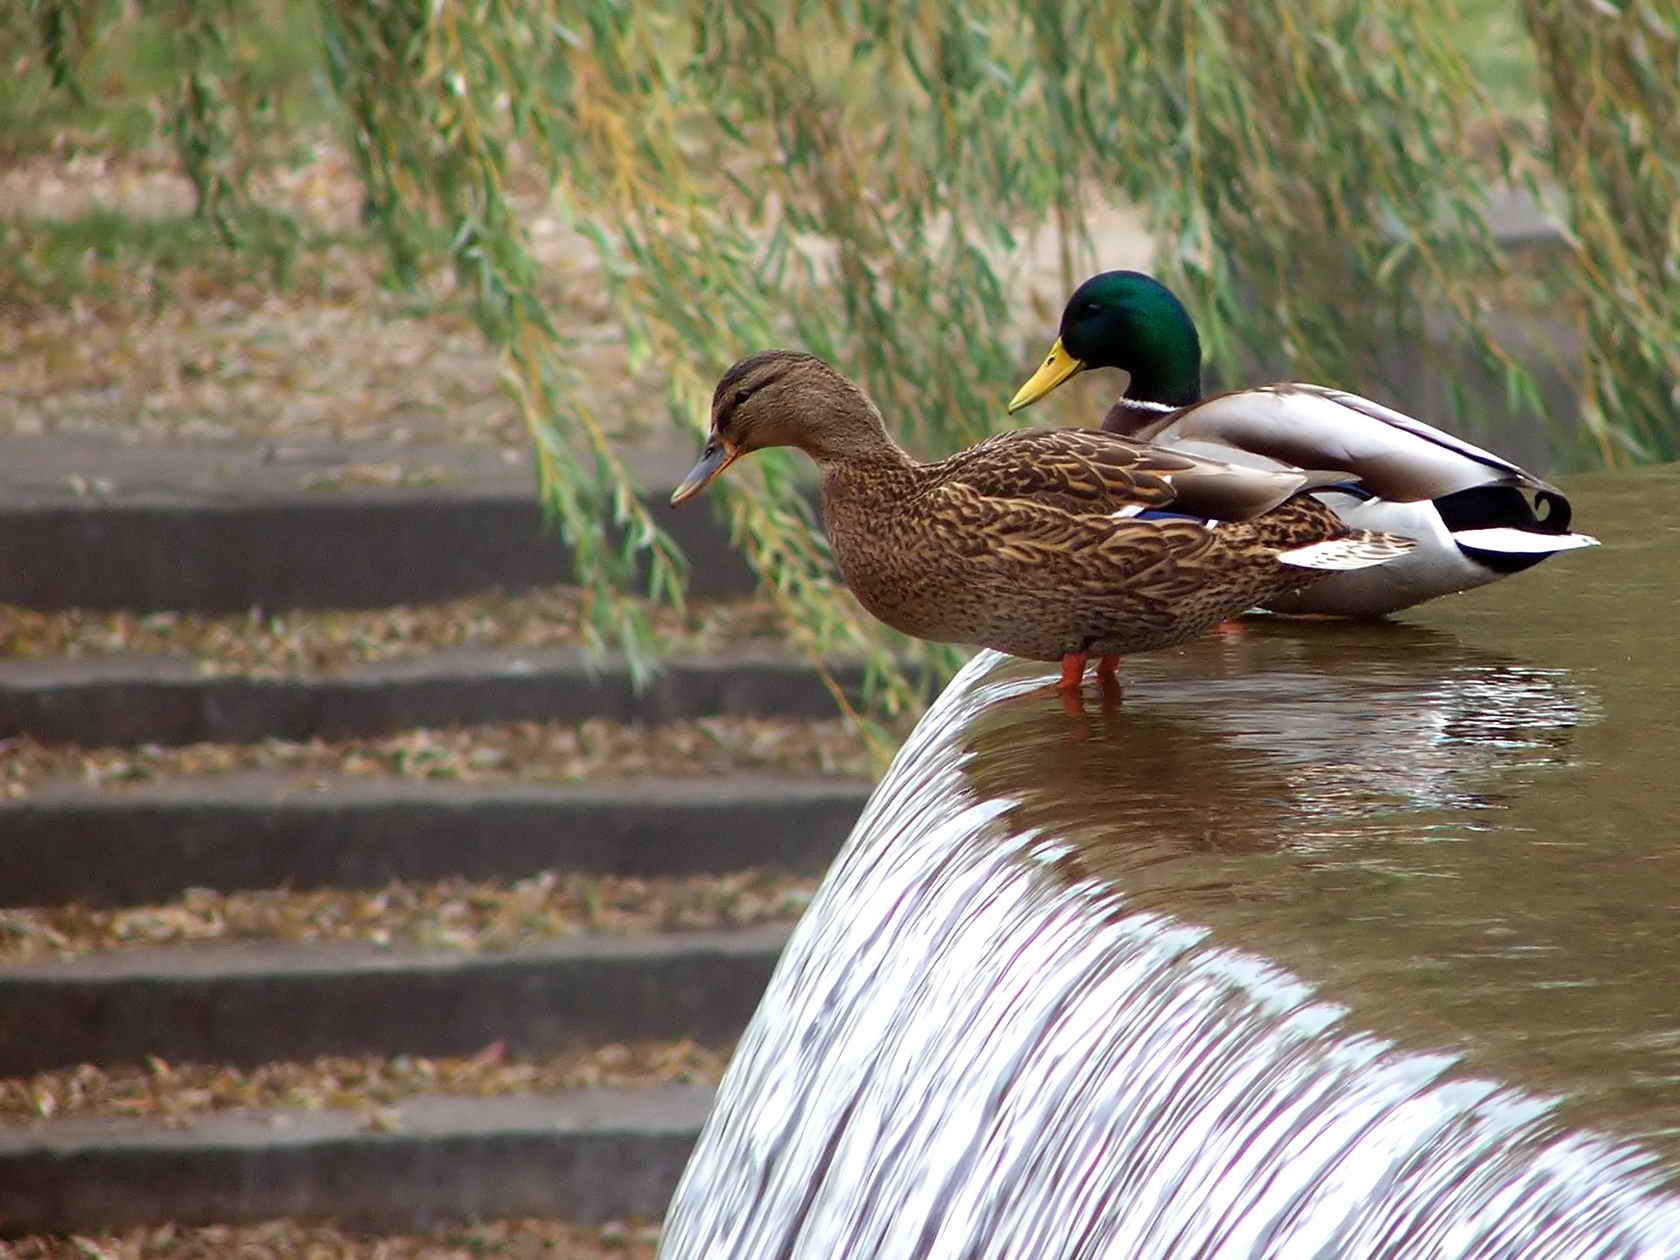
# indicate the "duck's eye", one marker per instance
pixel 741 396
pixel 1090 308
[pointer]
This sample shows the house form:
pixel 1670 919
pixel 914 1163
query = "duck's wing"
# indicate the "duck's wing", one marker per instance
pixel 1087 471
pixel 1396 456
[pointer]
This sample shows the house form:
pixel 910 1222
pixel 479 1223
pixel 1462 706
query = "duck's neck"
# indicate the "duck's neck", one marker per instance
pixel 854 452
pixel 1133 417
pixel 1168 380
pixel 1163 382
pixel 887 475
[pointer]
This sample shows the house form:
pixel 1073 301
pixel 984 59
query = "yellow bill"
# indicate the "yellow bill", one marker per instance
pixel 1058 365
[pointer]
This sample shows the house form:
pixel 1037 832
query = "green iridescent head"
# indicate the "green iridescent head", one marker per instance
pixel 1126 320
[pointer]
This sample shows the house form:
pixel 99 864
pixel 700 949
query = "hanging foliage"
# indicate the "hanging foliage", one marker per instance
pixel 1612 84
pixel 869 179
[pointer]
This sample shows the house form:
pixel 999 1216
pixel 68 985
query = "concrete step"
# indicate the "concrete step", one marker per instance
pixel 92 523
pixel 98 701
pixel 256 1002
pixel 356 551
pixel 70 843
pixel 587 1156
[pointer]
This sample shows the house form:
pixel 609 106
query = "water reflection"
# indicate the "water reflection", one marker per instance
pixel 1268 742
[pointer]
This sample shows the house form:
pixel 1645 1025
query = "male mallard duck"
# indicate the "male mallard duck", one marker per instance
pixel 1052 544
pixel 1469 510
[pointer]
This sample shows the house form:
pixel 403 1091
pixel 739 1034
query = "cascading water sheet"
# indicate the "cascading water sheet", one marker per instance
pixel 997 1032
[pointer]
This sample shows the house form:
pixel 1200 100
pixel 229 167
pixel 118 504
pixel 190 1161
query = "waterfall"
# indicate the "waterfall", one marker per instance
pixel 1002 1029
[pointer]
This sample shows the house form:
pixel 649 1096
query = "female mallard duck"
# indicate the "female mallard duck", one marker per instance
pixel 1469 511
pixel 1043 543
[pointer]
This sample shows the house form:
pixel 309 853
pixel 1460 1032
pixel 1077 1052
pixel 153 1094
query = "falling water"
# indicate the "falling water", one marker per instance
pixel 1347 944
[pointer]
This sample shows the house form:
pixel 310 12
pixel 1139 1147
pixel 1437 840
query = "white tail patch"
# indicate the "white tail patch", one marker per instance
pixel 1359 550
pixel 1520 541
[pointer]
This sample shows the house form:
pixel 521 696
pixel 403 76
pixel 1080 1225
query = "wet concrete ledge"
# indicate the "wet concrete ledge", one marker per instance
pixel 249 1003
pixel 588 1156
pixel 168 700
pixel 264 830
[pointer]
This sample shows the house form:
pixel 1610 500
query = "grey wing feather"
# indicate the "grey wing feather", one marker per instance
pixel 1395 456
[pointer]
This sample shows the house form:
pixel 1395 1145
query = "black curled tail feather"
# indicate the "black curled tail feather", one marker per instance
pixel 1493 507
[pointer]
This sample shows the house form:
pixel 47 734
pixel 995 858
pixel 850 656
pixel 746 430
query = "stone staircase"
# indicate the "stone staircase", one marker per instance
pixel 193 536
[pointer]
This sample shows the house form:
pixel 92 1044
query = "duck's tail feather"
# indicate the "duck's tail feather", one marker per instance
pixel 1358 549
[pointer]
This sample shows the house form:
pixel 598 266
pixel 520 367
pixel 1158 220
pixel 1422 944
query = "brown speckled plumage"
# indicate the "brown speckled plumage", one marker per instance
pixel 1025 543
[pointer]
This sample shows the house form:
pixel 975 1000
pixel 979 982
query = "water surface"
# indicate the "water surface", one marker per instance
pixel 1476 837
